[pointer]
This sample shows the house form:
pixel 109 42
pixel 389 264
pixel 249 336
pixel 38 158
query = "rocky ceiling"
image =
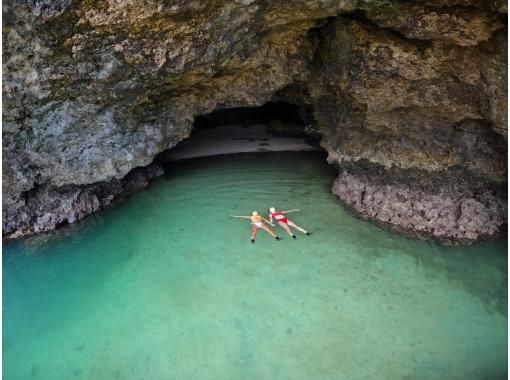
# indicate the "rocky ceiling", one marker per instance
pixel 409 97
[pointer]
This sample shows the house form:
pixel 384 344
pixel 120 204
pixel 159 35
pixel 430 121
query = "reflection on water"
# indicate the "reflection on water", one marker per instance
pixel 166 285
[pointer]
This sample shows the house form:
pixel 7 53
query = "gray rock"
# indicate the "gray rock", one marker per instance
pixel 92 90
pixel 443 206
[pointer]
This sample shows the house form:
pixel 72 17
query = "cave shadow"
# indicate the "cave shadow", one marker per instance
pixel 274 126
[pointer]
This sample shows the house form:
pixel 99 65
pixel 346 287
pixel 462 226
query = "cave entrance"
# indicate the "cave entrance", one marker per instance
pixel 275 126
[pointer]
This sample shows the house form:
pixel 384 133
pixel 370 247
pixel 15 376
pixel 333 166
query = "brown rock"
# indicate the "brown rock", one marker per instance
pixel 93 90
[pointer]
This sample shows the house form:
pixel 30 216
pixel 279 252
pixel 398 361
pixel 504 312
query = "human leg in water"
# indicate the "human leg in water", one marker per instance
pixel 270 232
pixel 253 233
pixel 287 229
pixel 292 224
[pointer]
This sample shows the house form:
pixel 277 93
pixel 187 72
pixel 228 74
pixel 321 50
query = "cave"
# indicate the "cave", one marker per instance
pixel 284 112
pixel 248 189
pixel 397 100
pixel 274 126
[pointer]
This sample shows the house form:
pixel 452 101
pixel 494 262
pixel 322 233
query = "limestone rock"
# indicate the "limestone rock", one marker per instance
pixel 402 103
pixel 442 206
pixel 93 90
pixel 46 208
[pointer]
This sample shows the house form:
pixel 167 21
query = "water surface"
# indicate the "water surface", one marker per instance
pixel 166 286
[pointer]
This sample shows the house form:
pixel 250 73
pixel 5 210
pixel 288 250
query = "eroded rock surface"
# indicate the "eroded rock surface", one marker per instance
pixel 399 104
pixel 444 206
pixel 93 90
pixel 47 207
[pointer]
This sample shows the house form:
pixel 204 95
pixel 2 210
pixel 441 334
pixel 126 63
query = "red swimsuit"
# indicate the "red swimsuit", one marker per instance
pixel 279 217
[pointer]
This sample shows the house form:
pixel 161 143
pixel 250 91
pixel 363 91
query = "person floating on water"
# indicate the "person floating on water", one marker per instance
pixel 257 221
pixel 284 222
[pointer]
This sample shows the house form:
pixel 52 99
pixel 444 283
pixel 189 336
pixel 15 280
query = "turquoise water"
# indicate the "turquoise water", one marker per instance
pixel 167 286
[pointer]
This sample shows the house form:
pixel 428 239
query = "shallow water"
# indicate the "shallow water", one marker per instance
pixel 167 286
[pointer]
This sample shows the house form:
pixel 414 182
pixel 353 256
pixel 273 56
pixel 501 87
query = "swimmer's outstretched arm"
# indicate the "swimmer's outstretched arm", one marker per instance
pixel 284 212
pixel 268 222
pixel 237 216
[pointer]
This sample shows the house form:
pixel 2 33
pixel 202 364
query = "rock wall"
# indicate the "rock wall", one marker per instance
pixel 395 105
pixel 93 90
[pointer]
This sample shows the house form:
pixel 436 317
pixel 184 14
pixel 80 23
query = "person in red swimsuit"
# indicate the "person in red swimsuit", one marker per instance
pixel 285 222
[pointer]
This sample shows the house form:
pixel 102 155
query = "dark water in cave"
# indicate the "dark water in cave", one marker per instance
pixel 167 286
